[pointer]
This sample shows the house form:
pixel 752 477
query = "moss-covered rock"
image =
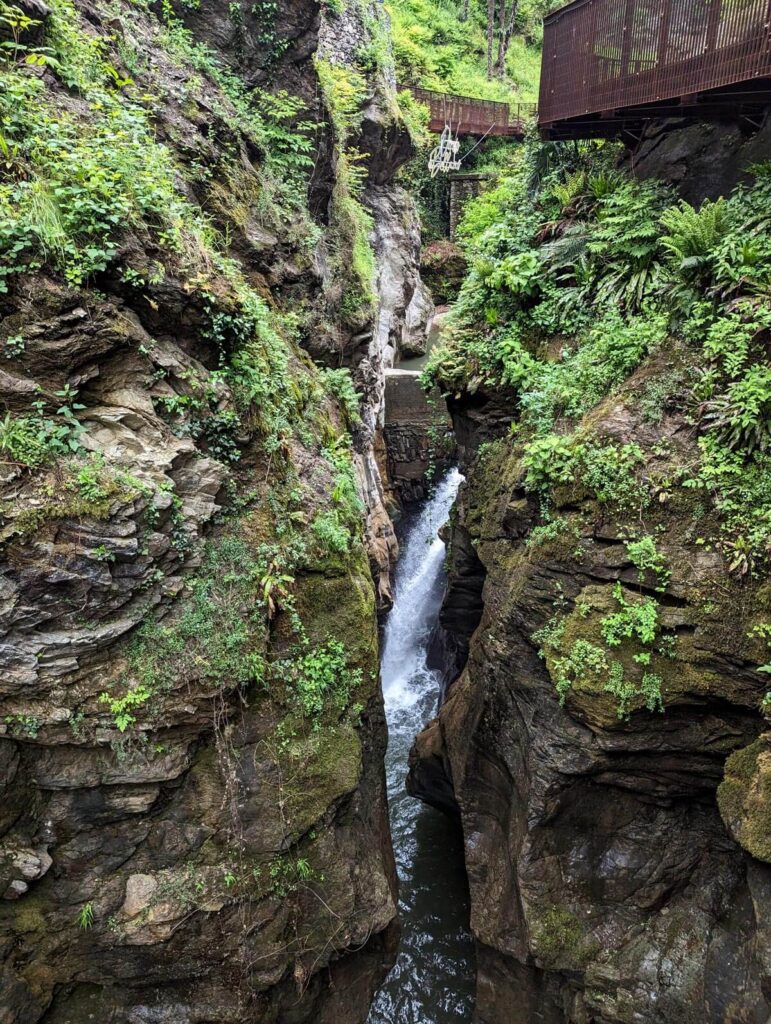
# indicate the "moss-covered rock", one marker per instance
pixel 603 683
pixel 585 777
pixel 181 834
pixel 559 941
pixel 744 797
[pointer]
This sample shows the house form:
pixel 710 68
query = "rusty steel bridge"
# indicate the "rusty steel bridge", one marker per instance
pixel 611 65
pixel 467 116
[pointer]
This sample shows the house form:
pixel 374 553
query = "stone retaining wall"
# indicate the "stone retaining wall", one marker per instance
pixel 418 436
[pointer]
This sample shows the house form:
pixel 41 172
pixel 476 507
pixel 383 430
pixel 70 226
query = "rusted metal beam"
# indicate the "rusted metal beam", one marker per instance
pixel 664 28
pixel 713 25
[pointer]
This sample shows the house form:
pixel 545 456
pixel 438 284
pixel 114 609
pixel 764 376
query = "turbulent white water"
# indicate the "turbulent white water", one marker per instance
pixel 432 982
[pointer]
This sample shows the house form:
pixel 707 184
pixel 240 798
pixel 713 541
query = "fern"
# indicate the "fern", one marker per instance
pixel 605 183
pixel 742 416
pixel 568 249
pixel 629 288
pixel 625 244
pixel 572 189
pixel 694 234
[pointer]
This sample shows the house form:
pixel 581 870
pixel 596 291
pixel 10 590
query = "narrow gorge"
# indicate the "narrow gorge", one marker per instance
pixel 385 600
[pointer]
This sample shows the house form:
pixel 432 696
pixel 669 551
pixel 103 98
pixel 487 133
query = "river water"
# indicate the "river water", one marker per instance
pixel 433 979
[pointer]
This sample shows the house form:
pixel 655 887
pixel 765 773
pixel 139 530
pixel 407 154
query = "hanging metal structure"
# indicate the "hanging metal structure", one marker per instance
pixel 444 157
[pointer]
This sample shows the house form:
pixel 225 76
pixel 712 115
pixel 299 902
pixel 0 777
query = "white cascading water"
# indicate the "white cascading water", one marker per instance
pixel 433 979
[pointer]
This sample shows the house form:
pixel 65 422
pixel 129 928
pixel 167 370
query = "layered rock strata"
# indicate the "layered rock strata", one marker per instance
pixel 193 824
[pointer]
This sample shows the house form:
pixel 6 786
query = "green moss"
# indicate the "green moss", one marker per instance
pixel 744 797
pixel 353 254
pixel 605 683
pixel 345 91
pixel 31 520
pixel 742 765
pixel 342 605
pixel 560 941
pixel 31 913
pixel 319 769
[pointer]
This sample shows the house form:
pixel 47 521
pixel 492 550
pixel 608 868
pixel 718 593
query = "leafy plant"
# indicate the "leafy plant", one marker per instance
pixel 582 659
pixel 646 557
pixel 694 235
pixel 85 918
pixel 339 383
pixel 14 346
pixel 275 586
pixel 122 708
pixel 551 461
pixel 320 678
pixel 22 441
pixel 331 531
pixel 637 619
pixel 24 725
pixel 19 24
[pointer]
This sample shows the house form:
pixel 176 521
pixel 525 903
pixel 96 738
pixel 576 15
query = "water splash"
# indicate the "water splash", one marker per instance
pixel 433 979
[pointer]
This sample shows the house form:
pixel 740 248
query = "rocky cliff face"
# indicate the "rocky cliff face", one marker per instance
pixel 700 160
pixel 194 825
pixel 609 881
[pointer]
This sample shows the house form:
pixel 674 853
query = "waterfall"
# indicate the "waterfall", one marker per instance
pixel 433 979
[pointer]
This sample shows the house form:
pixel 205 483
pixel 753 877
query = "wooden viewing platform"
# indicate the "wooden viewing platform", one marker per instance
pixel 467 116
pixel 611 65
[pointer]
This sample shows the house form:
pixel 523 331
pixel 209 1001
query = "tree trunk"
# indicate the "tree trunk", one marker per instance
pixel 464 12
pixel 507 31
pixel 490 35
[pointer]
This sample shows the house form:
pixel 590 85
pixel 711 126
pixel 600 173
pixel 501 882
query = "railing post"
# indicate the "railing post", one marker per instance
pixel 589 74
pixel 626 42
pixel 713 25
pixel 663 43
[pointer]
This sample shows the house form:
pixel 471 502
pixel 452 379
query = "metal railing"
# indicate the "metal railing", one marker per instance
pixel 467 116
pixel 603 55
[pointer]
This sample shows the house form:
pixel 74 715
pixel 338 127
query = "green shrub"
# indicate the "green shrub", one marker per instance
pixel 319 679
pixel 40 437
pixel 584 658
pixel 332 533
pixel 22 441
pixel 578 273
pixel 694 235
pixel 646 558
pixel 339 384
pixel 607 471
pixel 215 636
pixel 637 620
pixel 552 461
pixel 122 708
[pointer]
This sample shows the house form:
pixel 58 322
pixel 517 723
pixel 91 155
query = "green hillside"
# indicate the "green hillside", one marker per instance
pixel 436 49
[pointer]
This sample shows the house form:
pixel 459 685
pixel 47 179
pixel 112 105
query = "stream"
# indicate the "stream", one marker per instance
pixel 432 981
